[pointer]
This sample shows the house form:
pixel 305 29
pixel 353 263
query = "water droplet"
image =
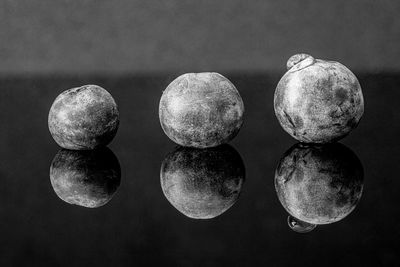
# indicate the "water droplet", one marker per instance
pixel 300 226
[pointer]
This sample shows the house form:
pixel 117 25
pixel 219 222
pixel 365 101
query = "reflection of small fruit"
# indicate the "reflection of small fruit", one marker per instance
pixel 83 118
pixel 201 110
pixel 318 101
pixel 319 184
pixel 85 178
pixel 202 183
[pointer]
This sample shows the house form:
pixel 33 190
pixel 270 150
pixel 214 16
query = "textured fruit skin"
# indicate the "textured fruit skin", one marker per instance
pixel 201 110
pixel 319 184
pixel 318 101
pixel 202 183
pixel 87 178
pixel 83 118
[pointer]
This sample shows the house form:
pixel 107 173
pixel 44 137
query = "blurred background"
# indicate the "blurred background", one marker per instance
pixel 97 36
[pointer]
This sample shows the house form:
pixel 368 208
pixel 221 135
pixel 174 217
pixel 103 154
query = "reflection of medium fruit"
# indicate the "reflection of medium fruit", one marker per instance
pixel 85 178
pixel 318 101
pixel 202 183
pixel 201 110
pixel 319 184
pixel 83 118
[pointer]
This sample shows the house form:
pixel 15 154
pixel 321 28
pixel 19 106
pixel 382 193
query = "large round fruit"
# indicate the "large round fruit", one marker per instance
pixel 202 183
pixel 201 110
pixel 318 101
pixel 319 184
pixel 83 118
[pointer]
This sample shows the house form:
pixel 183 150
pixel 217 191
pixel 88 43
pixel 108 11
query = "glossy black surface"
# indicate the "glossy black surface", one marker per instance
pixel 138 226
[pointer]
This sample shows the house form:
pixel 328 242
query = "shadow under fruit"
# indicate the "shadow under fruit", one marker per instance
pixel 87 178
pixel 202 183
pixel 319 184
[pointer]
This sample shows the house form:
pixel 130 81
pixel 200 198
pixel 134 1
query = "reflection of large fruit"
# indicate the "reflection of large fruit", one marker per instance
pixel 319 184
pixel 318 101
pixel 83 118
pixel 201 110
pixel 85 178
pixel 202 183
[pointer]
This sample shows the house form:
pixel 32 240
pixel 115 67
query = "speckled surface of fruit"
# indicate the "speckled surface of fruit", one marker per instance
pixel 201 110
pixel 319 184
pixel 202 183
pixel 318 101
pixel 83 118
pixel 87 178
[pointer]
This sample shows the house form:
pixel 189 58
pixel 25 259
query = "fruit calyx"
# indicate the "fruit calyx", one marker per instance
pixel 299 61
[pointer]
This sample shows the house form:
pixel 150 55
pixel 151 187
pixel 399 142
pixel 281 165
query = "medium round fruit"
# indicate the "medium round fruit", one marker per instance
pixel 201 110
pixel 319 184
pixel 202 183
pixel 86 178
pixel 83 118
pixel 318 101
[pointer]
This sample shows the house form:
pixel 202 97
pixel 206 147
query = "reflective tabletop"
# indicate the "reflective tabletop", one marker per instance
pixel 242 204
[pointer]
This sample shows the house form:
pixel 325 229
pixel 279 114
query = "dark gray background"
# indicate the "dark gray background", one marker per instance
pixel 100 36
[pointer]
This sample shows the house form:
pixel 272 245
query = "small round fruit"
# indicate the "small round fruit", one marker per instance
pixel 202 183
pixel 319 184
pixel 201 110
pixel 83 118
pixel 318 101
pixel 87 178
